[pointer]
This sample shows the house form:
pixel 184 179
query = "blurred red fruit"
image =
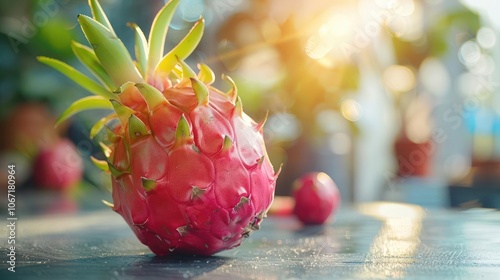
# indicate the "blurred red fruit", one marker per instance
pixel 58 167
pixel 30 125
pixel 316 198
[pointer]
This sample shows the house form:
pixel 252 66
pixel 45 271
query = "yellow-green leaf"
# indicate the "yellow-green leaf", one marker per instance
pixel 99 125
pixel 136 128
pixel 238 107
pixel 141 48
pixel 148 184
pixel 183 130
pixel 88 58
pixel 206 75
pixel 185 47
pixel 233 92
pixel 110 51
pixel 107 203
pixel 76 76
pixel 158 33
pixel 152 95
pixel 86 103
pixel 122 111
pixel 105 150
pixel 200 91
pixel 101 164
pixel 187 72
pixel 177 71
pixel 100 16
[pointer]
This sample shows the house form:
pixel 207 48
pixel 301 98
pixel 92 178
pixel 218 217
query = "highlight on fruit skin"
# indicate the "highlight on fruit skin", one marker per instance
pixel 190 172
pixel 316 198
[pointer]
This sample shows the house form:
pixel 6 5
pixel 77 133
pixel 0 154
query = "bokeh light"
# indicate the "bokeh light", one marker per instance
pixel 397 26
pixel 400 7
pixel 469 53
pixel 486 37
pixel 191 10
pixel 188 12
pixel 456 166
pixel 399 78
pixel 413 23
pixel 351 110
pixel 331 121
pixel 484 66
pixel 316 47
pixel 266 60
pixel 467 84
pixel 340 143
pixel 434 76
pixel 337 29
pixel 283 127
pixel 418 125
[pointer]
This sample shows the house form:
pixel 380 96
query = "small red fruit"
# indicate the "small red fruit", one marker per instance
pixel 58 167
pixel 316 198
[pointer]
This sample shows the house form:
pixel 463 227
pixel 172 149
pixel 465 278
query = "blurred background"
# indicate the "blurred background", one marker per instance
pixel 395 99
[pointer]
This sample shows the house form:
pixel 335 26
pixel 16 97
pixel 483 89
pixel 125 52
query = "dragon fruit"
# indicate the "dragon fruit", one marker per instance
pixel 58 166
pixel 190 172
pixel 316 198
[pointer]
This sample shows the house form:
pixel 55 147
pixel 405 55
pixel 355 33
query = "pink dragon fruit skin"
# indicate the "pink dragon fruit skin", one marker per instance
pixel 199 186
pixel 189 169
pixel 316 198
pixel 58 166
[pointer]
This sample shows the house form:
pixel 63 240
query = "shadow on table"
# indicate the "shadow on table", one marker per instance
pixel 121 267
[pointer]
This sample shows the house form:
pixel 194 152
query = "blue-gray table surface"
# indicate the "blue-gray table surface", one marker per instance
pixel 367 241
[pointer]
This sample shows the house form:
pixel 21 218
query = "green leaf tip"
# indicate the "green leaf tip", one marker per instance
pixel 243 200
pixel 122 111
pixel 109 204
pixel 206 75
pixel 101 164
pixel 83 104
pixel 238 107
pixel 123 87
pixel 148 184
pixel 88 58
pixel 105 149
pixel 182 50
pixel 99 125
pixel 197 192
pixel 141 48
pixel 233 92
pixel 152 95
pixel 99 15
pixel 183 131
pixel 110 51
pixel 277 173
pixel 200 90
pixel 260 125
pixel 158 34
pixel 260 161
pixel 187 72
pixel 112 136
pixel 76 76
pixel 227 143
pixel 115 171
pixel 136 128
